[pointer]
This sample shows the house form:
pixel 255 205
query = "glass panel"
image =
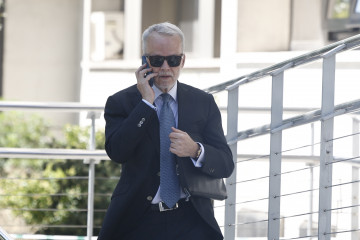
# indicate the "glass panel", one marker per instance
pixel 338 9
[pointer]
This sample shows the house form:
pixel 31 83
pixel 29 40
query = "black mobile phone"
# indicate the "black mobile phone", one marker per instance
pixel 151 81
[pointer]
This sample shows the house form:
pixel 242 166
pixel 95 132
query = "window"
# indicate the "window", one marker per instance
pixel 341 18
pixel 339 9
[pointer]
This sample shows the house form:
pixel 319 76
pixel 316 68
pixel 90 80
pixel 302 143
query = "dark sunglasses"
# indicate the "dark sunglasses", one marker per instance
pixel 158 61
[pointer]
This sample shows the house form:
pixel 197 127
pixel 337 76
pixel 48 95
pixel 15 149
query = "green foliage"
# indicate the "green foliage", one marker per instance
pixel 51 184
pixel 23 130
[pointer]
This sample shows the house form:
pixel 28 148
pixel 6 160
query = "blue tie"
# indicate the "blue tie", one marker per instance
pixel 169 181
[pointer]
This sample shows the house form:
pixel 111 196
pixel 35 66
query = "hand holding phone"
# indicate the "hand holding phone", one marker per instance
pixel 151 81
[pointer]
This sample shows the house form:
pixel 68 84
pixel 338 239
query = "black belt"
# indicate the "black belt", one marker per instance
pixel 161 206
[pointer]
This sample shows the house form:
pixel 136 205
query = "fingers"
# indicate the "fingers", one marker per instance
pixel 181 143
pixel 142 73
pixel 176 133
pixel 177 130
pixel 177 139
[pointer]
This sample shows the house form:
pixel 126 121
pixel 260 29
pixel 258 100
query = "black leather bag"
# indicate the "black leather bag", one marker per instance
pixel 197 183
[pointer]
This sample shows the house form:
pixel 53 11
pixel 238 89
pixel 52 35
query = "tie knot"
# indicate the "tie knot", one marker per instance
pixel 165 97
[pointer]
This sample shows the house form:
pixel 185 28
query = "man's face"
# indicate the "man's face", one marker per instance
pixel 164 45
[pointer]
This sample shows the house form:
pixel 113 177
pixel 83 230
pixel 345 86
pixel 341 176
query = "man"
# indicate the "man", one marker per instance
pixel 148 202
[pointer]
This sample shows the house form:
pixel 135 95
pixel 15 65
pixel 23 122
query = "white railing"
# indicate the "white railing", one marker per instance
pixel 275 128
pixel 90 156
pixel 276 155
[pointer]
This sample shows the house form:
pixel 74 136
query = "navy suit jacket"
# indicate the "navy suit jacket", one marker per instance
pixel 132 139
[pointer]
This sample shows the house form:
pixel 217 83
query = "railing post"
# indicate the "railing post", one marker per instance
pixel 355 186
pixel 326 147
pixel 91 182
pixel 90 214
pixel 232 130
pixel 311 185
pixel 275 156
pixel 311 197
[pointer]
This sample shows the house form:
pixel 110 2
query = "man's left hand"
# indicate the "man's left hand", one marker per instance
pixel 182 144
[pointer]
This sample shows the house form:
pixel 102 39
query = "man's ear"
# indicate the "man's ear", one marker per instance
pixel 183 61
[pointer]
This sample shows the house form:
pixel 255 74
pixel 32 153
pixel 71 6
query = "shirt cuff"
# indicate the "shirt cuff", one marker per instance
pixel 149 104
pixel 199 162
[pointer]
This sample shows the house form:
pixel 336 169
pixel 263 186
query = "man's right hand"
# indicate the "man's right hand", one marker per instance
pixel 143 85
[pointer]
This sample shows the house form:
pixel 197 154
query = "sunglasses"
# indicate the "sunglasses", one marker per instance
pixel 172 60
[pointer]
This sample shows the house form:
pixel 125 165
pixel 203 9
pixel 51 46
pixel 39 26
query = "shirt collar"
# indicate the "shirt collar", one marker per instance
pixel 172 92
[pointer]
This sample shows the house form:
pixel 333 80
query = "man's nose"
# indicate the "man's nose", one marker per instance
pixel 165 65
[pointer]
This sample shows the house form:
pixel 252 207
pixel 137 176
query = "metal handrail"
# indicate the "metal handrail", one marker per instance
pixel 53 153
pixel 326 115
pixel 312 116
pixel 340 46
pixel 49 106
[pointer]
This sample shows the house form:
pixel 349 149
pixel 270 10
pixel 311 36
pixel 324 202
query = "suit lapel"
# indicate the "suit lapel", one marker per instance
pixel 184 101
pixel 188 116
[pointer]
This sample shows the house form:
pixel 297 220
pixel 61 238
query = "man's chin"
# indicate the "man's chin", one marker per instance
pixel 165 86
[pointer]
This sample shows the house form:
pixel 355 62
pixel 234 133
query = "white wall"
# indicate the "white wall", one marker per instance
pixel 42 50
pixel 263 25
pixel 307 31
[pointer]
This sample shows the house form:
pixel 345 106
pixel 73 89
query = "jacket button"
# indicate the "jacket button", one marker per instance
pixel 149 198
pixel 143 119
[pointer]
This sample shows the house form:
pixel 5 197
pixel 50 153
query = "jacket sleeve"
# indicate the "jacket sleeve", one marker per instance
pixel 125 127
pixel 218 161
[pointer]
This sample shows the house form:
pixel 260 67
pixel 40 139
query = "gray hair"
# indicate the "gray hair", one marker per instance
pixel 164 28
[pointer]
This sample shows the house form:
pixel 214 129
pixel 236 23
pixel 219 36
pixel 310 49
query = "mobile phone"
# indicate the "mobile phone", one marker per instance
pixel 151 81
